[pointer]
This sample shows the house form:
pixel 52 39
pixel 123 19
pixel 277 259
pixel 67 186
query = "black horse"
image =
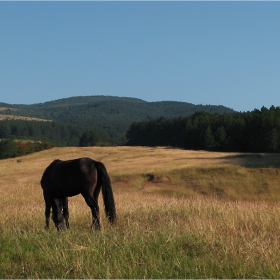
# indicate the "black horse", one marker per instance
pixel 84 176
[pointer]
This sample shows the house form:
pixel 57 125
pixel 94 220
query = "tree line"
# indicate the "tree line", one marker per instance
pixel 21 137
pixel 14 148
pixel 255 131
pixel 59 134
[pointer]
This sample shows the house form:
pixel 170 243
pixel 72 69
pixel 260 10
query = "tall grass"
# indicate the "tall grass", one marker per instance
pixel 205 216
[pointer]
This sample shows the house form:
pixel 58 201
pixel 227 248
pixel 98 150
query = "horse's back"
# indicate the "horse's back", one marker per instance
pixel 66 178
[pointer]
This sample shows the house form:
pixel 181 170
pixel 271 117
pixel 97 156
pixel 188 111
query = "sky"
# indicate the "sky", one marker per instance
pixel 217 53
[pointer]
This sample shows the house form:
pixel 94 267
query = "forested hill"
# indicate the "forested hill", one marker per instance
pixel 109 108
pixel 107 114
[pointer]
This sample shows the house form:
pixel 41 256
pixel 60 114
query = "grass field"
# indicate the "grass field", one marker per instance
pixel 13 117
pixel 181 214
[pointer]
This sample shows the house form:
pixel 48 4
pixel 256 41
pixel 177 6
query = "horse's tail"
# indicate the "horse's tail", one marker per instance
pixel 107 191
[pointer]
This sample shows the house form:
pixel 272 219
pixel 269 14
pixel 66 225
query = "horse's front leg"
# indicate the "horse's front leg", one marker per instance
pixel 65 211
pixel 48 205
pixel 58 218
pixel 48 214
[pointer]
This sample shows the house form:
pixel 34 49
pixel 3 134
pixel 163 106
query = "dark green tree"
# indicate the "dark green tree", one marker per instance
pixel 93 138
pixel 88 139
pixel 220 137
pixel 208 139
pixel 7 149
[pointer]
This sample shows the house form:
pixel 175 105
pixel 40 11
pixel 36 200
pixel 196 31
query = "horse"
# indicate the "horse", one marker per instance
pixel 85 176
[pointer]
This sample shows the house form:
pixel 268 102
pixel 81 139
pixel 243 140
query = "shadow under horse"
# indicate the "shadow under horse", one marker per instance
pixel 85 176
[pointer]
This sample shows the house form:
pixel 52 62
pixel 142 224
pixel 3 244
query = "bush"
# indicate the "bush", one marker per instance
pixel 10 148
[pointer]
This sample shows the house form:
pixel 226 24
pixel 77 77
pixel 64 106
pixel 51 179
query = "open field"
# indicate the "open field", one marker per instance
pixel 14 117
pixel 181 214
pixel 6 108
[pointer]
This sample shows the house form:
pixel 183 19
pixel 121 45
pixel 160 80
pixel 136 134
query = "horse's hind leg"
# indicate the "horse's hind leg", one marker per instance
pixel 92 203
pixel 65 211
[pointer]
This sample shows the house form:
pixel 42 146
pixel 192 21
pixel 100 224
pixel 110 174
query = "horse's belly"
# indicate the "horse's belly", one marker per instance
pixel 73 193
pixel 65 191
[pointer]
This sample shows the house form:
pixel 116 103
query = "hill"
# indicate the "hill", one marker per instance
pixel 109 108
pixel 107 114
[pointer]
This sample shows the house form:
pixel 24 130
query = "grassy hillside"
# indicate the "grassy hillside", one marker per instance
pixel 13 117
pixel 181 214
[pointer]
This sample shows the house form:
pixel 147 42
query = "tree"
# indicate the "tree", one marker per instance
pixel 208 138
pixel 272 140
pixel 220 136
pixel 93 138
pixel 7 149
pixel 88 139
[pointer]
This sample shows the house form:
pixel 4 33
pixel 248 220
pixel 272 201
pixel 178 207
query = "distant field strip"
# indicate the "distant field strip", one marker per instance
pixel 6 108
pixel 13 117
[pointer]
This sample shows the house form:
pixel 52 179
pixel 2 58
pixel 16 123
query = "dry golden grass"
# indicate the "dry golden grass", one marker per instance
pixel 14 117
pixel 181 214
pixel 6 108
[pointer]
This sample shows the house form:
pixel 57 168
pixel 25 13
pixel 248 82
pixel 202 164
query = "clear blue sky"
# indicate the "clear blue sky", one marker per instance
pixel 218 53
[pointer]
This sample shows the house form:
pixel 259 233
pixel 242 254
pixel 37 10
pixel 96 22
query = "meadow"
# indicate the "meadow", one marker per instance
pixel 180 214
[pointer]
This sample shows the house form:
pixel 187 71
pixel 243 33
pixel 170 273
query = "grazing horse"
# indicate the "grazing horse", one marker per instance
pixel 84 176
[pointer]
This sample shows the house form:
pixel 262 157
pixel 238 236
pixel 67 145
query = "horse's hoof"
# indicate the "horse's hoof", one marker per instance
pixel 95 227
pixel 60 228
